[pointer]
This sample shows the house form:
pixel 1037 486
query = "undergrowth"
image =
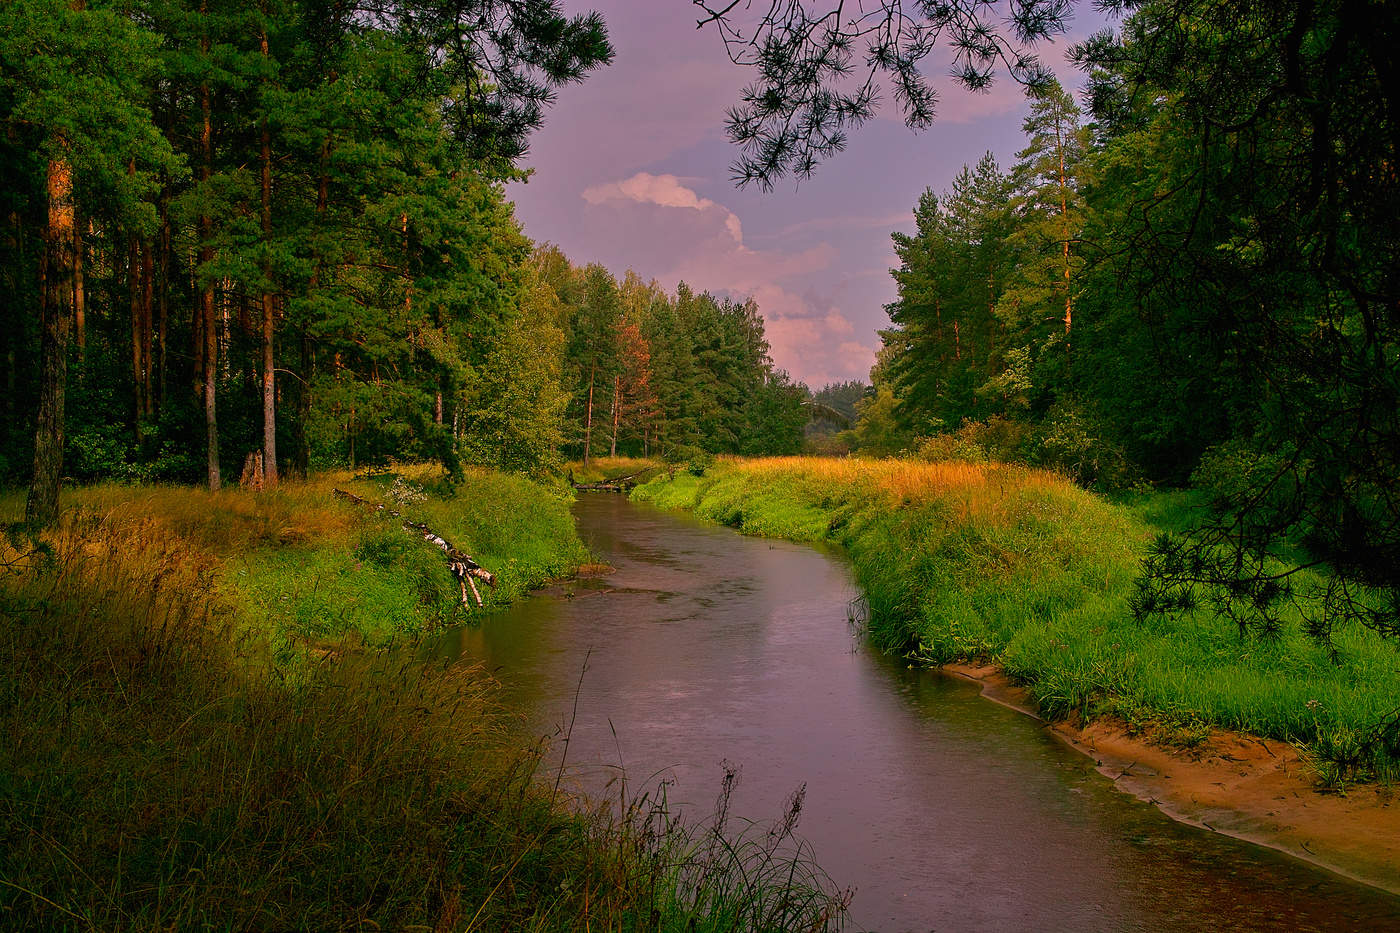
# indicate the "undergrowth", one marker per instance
pixel 198 736
pixel 986 561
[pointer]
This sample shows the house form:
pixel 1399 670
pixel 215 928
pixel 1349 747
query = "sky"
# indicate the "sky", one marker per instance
pixel 632 170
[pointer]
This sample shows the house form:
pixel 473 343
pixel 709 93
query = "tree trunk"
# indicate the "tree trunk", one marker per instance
pixel 1064 222
pixel 147 329
pixel 588 420
pixel 616 414
pixel 79 294
pixel 269 385
pixel 163 300
pixel 56 289
pixel 301 439
pixel 206 294
pixel 307 354
pixel 133 281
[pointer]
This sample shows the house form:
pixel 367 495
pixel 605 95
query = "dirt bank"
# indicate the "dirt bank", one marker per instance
pixel 1254 789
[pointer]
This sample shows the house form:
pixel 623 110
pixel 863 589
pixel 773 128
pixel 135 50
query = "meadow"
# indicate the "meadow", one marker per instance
pixel 1003 563
pixel 211 724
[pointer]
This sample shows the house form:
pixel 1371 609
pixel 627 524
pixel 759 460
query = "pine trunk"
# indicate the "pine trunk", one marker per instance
pixel 269 384
pixel 210 350
pixel 79 294
pixel 616 414
pixel 147 329
pixel 307 359
pixel 301 439
pixel 133 277
pixel 1064 225
pixel 56 289
pixel 588 420
pixel 163 300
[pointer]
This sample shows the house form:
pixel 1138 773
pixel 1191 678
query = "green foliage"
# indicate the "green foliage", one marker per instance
pixel 877 432
pixel 657 375
pixel 996 439
pixel 512 407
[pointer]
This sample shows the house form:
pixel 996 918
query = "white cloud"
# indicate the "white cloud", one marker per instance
pixel 663 191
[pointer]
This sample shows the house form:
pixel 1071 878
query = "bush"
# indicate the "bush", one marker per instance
pixel 1074 443
pixel 997 439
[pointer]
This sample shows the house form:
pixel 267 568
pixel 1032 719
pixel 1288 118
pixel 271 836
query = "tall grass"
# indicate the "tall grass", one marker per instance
pixel 177 756
pixel 992 561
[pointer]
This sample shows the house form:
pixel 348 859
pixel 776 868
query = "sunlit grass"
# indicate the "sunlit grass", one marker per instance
pixel 997 562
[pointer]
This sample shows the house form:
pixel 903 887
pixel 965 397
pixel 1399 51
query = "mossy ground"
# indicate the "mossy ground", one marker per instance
pixel 992 561
pixel 202 731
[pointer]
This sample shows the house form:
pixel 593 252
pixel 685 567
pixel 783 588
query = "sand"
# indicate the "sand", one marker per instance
pixel 1254 789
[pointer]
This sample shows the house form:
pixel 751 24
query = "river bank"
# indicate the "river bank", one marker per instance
pixel 1259 790
pixel 1026 579
pixel 204 729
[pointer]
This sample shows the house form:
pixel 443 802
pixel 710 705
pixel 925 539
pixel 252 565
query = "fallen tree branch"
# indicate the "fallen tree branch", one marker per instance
pixel 463 567
pixel 613 483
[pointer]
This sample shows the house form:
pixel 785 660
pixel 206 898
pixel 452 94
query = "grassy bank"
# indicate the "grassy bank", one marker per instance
pixel 989 561
pixel 200 734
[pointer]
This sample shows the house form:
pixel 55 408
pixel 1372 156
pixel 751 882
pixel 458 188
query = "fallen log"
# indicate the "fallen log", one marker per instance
pixel 613 483
pixel 463 567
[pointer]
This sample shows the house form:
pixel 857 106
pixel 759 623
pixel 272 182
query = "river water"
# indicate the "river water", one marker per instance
pixel 944 811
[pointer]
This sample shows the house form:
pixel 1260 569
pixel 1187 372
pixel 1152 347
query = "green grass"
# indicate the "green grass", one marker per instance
pixel 200 736
pixel 1017 566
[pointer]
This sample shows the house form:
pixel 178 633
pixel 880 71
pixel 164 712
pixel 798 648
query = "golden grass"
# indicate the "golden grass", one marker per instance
pixel 982 490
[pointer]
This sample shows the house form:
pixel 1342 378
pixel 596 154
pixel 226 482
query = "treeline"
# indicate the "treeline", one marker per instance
pixel 647 373
pixel 274 227
pixel 1194 281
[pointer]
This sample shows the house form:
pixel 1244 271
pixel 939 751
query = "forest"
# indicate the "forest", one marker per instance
pixel 281 230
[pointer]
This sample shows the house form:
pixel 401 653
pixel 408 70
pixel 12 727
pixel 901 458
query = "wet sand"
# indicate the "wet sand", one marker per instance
pixel 1258 790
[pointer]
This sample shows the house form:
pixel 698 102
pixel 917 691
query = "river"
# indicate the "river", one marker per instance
pixel 944 811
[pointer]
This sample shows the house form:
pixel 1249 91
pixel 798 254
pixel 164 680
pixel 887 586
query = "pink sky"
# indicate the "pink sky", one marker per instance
pixel 632 171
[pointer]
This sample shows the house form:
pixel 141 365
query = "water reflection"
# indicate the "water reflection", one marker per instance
pixel 943 810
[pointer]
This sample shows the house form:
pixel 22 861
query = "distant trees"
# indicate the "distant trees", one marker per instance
pixel 654 374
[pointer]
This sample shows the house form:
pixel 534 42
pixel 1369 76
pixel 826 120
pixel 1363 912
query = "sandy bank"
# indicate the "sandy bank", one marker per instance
pixel 1254 789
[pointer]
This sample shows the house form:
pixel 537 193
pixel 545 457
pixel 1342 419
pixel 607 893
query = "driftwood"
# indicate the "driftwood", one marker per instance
pixel 466 570
pixel 613 483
